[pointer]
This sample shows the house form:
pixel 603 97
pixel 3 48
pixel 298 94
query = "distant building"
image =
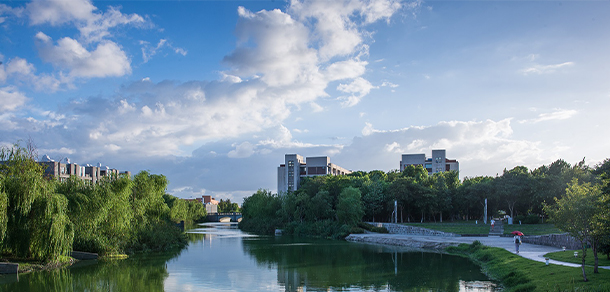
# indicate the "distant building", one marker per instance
pixel 211 205
pixel 296 167
pixel 63 170
pixel 437 163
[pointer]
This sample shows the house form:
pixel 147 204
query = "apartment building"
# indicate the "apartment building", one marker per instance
pixel 296 167
pixel 64 169
pixel 437 163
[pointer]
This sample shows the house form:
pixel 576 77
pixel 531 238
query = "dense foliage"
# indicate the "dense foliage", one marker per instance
pixel 227 206
pixel 318 204
pixel 43 218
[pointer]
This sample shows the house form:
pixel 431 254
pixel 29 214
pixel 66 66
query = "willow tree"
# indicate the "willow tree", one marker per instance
pixel 34 220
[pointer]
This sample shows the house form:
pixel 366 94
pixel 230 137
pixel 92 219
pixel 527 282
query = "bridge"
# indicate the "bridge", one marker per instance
pixel 224 217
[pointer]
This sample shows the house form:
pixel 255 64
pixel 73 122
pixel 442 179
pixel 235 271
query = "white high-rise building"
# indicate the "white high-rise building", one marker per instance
pixel 437 163
pixel 295 167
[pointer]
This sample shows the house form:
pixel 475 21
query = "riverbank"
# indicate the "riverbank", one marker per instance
pixel 497 258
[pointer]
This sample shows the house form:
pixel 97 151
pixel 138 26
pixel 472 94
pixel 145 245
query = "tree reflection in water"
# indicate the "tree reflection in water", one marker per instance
pixel 138 273
pixel 337 265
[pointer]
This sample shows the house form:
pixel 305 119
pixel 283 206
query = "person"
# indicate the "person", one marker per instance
pixel 492 224
pixel 517 239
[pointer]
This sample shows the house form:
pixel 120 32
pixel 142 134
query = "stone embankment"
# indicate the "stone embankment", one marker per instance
pixel 412 242
pixel 407 236
pixel 394 228
pixel 554 240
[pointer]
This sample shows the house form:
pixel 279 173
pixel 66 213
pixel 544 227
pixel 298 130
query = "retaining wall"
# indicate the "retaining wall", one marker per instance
pixel 555 240
pixel 412 242
pixel 412 230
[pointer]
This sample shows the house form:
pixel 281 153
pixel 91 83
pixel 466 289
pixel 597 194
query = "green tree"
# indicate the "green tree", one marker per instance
pixel 34 223
pixel 147 199
pixel 349 207
pixel 259 212
pixel 514 186
pixel 375 199
pixel 227 206
pixel 573 214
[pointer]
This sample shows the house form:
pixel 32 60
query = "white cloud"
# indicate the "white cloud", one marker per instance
pixel 20 69
pixel 93 25
pixel 545 69
pixel 57 12
pixel 19 66
pixel 281 55
pixel 358 88
pixel 389 84
pixel 106 60
pixel 245 149
pixel 11 99
pixel 181 51
pixel 481 147
pixel 558 114
pixel 148 52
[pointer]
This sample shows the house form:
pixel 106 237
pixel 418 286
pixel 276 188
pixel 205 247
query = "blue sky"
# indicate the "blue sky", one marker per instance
pixel 212 94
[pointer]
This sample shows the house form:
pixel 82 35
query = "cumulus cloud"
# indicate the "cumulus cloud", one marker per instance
pixel 480 146
pixel 282 61
pixel 358 88
pixel 11 99
pixel 93 25
pixel 107 59
pixel 22 71
pixel 334 25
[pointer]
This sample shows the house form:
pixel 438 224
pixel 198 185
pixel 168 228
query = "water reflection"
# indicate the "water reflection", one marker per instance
pixel 334 265
pixel 221 258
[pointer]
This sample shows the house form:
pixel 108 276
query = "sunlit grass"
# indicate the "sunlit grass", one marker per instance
pixel 521 274
pixel 568 256
pixel 461 227
pixel 532 229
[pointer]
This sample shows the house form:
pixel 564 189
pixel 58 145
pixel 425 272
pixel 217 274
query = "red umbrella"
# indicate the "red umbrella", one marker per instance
pixel 517 233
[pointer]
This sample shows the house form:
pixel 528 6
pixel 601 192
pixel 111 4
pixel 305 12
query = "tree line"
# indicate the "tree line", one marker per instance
pixel 43 219
pixel 320 202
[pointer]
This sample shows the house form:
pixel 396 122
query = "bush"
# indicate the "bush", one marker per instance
pixel 372 228
pixel 529 219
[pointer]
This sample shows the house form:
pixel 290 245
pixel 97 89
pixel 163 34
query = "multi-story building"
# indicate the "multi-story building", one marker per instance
pixel 296 167
pixel 63 170
pixel 437 163
pixel 211 205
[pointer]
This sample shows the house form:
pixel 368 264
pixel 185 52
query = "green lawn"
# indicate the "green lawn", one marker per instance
pixel 520 274
pixel 568 256
pixel 532 229
pixel 462 227
pixel 470 227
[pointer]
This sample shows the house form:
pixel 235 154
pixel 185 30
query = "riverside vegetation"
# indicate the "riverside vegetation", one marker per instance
pixel 43 219
pixel 521 275
pixel 334 206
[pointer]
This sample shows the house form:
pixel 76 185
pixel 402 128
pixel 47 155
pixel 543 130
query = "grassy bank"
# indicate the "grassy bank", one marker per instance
pixel 568 256
pixel 28 265
pixel 519 274
pixel 462 227
pixel 532 229
pixel 470 227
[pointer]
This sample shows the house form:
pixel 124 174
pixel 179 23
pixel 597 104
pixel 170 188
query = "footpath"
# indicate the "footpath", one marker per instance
pixel 530 251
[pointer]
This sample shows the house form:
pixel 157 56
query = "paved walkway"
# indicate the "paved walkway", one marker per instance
pixel 530 251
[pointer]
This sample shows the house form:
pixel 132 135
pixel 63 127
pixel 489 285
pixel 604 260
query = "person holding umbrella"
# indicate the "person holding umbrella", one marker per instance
pixel 517 239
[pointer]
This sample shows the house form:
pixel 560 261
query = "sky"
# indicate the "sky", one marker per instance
pixel 213 94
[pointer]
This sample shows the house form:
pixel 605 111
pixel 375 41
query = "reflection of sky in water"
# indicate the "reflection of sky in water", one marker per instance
pixel 218 262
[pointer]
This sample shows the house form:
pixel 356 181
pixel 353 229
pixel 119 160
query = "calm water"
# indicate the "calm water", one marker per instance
pixel 222 258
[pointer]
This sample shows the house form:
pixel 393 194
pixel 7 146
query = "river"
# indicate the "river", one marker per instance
pixel 219 257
